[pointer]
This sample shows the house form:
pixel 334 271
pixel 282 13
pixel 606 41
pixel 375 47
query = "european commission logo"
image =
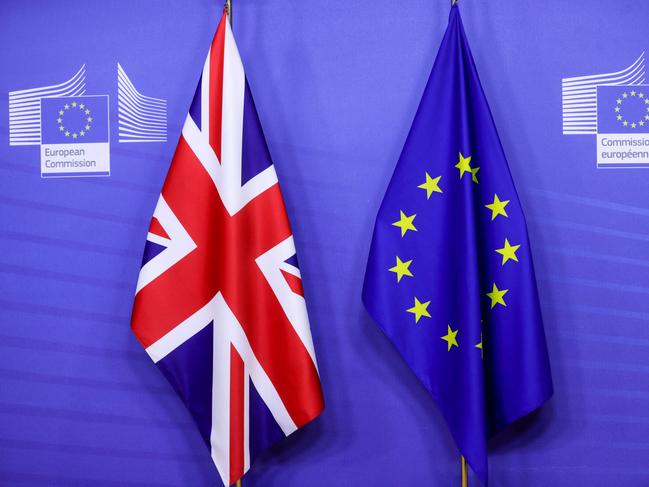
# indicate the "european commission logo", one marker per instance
pixel 72 127
pixel 75 139
pixel 615 108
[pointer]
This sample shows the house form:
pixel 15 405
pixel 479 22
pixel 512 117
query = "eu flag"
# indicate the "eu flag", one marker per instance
pixel 449 277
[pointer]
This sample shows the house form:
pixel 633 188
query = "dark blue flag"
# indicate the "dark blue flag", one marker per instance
pixel 449 277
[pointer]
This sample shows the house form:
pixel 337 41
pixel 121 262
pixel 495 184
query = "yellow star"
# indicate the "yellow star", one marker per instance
pixel 641 123
pixel 474 174
pixel 641 95
pixel 632 93
pixel 624 95
pixel 87 112
pixel 82 106
pixel 450 338
pixel 619 117
pixel 82 133
pixel 89 119
pixel 625 123
pixel 464 164
pixel 419 310
pixel 87 127
pixel 431 185
pixel 405 223
pixel 74 103
pixel 496 296
pixel 66 106
pixel 479 346
pixel 617 109
pixel 508 252
pixel 646 101
pixel 619 102
pixel 61 128
pixel 401 269
pixel 67 133
pixel 59 119
pixel 633 125
pixel 74 135
pixel 60 112
pixel 498 207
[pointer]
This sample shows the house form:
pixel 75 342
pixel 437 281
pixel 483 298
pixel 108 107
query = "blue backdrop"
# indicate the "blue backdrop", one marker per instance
pixel 336 86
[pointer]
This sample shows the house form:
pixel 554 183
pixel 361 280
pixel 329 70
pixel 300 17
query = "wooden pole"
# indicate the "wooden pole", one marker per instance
pixel 465 471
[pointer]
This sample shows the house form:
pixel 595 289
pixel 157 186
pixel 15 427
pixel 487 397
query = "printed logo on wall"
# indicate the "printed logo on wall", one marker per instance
pixel 614 107
pixel 72 128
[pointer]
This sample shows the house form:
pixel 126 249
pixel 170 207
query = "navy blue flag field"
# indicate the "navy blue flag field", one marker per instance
pixel 450 278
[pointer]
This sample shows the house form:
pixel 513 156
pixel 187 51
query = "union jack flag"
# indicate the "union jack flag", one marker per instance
pixel 219 304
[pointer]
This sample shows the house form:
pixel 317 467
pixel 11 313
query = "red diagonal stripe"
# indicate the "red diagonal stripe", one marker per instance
pixel 294 282
pixel 157 229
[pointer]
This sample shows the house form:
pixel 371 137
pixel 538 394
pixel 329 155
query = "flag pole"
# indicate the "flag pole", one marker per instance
pixel 465 471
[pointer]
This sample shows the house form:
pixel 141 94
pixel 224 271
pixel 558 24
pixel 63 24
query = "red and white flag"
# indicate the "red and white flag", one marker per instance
pixel 219 305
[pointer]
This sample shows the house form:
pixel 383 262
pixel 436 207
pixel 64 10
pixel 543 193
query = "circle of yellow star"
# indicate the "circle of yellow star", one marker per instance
pixel 496 296
pixel 61 122
pixel 508 252
pixel 450 338
pixel 419 309
pixel 405 223
pixel 622 119
pixel 498 207
pixel 464 164
pixel 431 185
pixel 401 269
